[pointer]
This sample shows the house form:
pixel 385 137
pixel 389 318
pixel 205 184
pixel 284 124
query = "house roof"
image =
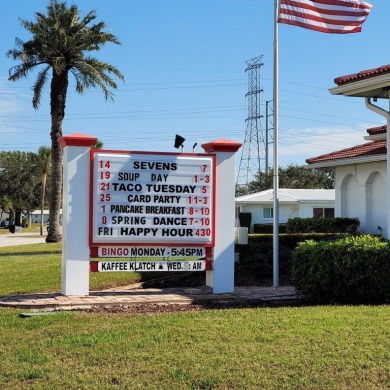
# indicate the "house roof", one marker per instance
pixel 377 130
pixel 288 196
pixel 45 212
pixel 369 83
pixel 362 150
pixel 362 75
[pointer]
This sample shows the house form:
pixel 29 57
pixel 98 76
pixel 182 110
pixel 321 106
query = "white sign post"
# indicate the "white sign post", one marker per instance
pixel 169 205
pixel 75 214
pixel 221 278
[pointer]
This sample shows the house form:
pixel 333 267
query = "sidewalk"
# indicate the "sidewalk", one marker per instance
pixel 128 296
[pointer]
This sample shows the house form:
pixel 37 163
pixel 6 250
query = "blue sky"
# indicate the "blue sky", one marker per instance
pixel 184 64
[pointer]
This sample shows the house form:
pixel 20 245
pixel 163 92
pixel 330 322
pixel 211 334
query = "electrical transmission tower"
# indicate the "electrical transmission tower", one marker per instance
pixel 253 153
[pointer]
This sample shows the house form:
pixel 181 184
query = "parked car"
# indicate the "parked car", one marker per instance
pixel 5 223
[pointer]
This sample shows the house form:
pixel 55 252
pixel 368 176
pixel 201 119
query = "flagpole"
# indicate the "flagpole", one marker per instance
pixel 275 152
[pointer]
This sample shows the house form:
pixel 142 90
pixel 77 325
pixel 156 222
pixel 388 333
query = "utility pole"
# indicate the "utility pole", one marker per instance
pixel 269 126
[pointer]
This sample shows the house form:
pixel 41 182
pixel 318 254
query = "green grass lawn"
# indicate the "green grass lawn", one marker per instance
pixel 37 268
pixel 319 347
pixel 278 348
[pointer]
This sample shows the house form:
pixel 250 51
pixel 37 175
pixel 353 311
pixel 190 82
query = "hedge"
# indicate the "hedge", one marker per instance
pixel 267 228
pixel 353 270
pixel 323 225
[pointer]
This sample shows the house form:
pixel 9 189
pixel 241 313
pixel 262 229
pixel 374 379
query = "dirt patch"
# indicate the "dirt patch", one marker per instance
pixel 152 308
pixel 197 279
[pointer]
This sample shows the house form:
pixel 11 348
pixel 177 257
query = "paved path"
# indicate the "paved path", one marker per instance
pixel 134 295
pixel 129 296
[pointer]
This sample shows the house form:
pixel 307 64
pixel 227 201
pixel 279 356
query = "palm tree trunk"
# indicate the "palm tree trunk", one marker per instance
pixel 43 199
pixel 59 86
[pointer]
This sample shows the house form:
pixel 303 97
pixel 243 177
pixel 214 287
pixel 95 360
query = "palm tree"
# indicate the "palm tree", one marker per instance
pixel 43 156
pixel 60 42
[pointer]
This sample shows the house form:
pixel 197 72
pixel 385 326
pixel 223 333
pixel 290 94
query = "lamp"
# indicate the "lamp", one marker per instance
pixel 179 141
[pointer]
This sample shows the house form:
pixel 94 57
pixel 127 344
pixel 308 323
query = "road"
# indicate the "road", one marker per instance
pixel 20 239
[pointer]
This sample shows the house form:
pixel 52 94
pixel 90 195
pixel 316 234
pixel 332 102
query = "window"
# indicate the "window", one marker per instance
pixel 323 212
pixel 268 212
pixel 329 212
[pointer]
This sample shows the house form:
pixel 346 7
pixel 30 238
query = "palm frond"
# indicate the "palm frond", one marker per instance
pixel 38 86
pixel 61 40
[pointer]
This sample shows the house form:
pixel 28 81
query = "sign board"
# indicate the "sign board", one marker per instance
pixel 145 266
pixel 139 198
pixel 149 252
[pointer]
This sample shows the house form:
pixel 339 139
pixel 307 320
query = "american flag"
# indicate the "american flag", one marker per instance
pixel 328 16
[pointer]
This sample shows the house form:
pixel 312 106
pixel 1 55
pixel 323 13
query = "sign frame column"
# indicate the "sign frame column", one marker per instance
pixel 221 278
pixel 75 214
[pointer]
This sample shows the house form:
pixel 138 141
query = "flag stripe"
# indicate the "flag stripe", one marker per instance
pixel 322 27
pixel 329 16
pixel 339 20
pixel 326 8
pixel 351 5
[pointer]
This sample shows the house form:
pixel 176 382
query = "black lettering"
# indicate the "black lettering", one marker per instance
pixel 126 209
pixel 130 176
pixel 127 187
pixel 139 198
pixel 169 221
pixel 176 232
pixel 128 220
pixel 155 165
pixel 171 188
pixel 164 210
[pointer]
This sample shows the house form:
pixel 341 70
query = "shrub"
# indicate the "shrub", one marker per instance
pixel 323 225
pixel 256 258
pixel 353 269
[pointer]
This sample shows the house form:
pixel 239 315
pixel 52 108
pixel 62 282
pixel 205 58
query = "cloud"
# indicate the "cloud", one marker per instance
pixel 13 100
pixel 296 145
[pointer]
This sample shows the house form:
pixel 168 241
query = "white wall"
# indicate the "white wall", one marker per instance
pixel 36 217
pixel 376 200
pixel 286 211
pixel 361 193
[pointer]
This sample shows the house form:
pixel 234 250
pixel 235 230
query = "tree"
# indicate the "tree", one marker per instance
pixel 293 176
pixel 20 180
pixel 98 145
pixel 61 41
pixel 44 156
pixel 6 206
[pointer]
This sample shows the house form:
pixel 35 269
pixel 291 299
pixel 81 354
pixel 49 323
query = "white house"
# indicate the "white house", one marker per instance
pixel 360 180
pixel 303 203
pixel 361 172
pixel 35 216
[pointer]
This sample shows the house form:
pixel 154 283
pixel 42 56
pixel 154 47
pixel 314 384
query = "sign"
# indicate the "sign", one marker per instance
pixel 151 198
pixel 145 266
pixel 152 251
